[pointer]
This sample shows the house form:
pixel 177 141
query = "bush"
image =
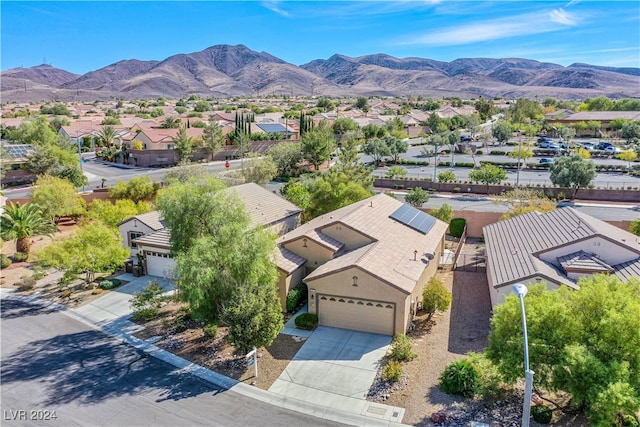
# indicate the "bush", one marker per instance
pixel 497 153
pixel 459 378
pixel 456 227
pixel 541 414
pixel 26 283
pixel 489 384
pixel 307 321
pixel 210 330
pixel 4 261
pixel 296 295
pixel 20 256
pixel 146 304
pixel 456 189
pixel 401 349
pixel 392 371
pixel 109 284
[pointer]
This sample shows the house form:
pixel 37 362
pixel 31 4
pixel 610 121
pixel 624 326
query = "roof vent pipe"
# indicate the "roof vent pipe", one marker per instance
pixel 415 255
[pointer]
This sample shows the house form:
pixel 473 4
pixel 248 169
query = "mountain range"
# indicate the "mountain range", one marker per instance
pixel 225 70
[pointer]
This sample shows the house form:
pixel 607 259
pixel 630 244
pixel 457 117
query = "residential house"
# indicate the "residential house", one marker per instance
pixel 365 264
pixel 556 248
pixel 147 235
pixel 604 117
pixel 162 139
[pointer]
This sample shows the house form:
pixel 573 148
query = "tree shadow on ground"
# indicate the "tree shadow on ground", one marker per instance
pixel 88 367
pixel 470 313
pixel 12 309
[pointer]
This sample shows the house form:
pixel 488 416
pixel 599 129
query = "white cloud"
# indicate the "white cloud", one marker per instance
pixel 562 17
pixel 274 6
pixel 500 28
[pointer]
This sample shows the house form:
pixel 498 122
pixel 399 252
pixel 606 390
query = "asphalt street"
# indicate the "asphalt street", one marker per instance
pixel 54 366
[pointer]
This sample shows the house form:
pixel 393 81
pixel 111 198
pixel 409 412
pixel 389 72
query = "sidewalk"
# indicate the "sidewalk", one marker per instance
pixel 110 315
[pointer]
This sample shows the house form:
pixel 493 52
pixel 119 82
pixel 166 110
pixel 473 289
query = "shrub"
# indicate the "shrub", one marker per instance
pixel 541 414
pixel 459 378
pixel 20 256
pixel 109 284
pixel 38 272
pixel 25 283
pixel 4 261
pixel 401 349
pixel 456 227
pixel 456 189
pixel 497 153
pixel 392 371
pixel 307 321
pixel 146 304
pixel 210 330
pixel 489 384
pixel 296 295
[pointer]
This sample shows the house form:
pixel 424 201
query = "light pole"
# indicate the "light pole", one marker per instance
pixel 435 160
pixel 519 155
pixel 521 290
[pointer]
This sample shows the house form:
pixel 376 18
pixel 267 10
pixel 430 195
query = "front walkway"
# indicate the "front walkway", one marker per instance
pixel 335 368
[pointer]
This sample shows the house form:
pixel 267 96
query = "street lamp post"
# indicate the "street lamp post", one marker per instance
pixel 519 155
pixel 521 290
pixel 435 160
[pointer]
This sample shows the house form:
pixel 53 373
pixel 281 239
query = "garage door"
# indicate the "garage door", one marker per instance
pixel 357 314
pixel 159 264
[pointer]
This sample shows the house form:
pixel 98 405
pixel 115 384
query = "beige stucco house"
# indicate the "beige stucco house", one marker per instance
pixel 556 248
pixel 146 234
pixel 365 265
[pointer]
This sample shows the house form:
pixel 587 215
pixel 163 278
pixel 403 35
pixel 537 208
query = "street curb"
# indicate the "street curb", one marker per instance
pixel 115 330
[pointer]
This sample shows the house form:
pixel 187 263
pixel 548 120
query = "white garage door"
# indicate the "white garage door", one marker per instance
pixel 159 264
pixel 357 314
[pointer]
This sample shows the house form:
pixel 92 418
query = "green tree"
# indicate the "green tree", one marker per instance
pixel 488 174
pixel 444 213
pixel 93 248
pixel 171 123
pixel 362 102
pixel 212 138
pixel 298 193
pixel 417 197
pixel 287 156
pixel 183 144
pixel 254 316
pixel 57 122
pixel 447 176
pixel 202 106
pixel 501 131
pixel 57 160
pixel 317 146
pixel 21 222
pixel 435 297
pixel 376 148
pixel 630 131
pixel 333 190
pixel 137 189
pixel 572 172
pixel 396 172
pixel 111 121
pixel 349 161
pixel 325 104
pixel 521 153
pixel 36 132
pixel 373 131
pixel 112 214
pixel 215 267
pixel 198 208
pixel 628 156
pixel 584 342
pixel 396 146
pixel 343 125
pixel 57 198
pixel 260 170
pixel 107 135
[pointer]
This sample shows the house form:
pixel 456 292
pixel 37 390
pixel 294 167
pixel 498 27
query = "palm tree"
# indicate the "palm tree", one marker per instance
pixel 108 135
pixel 171 123
pixel 20 222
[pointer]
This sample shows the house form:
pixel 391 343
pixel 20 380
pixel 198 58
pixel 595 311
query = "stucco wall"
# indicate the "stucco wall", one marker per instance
pixel 609 252
pixel 133 226
pixel 288 282
pixel 314 253
pixel 351 238
pixel 369 287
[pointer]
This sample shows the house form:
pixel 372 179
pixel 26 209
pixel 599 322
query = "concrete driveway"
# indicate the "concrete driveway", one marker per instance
pixel 335 368
pixel 115 304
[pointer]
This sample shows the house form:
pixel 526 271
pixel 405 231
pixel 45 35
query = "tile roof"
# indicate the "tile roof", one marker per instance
pixel 287 260
pixel 390 256
pixel 584 261
pixel 514 246
pixel 264 208
pixel 152 220
pixel 167 135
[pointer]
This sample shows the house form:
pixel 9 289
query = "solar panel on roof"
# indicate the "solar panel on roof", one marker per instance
pixel 414 218
pixel 272 127
pixel 17 151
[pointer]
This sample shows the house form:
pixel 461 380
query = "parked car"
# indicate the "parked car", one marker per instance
pixel 544 139
pixel 550 146
pixel 604 145
pixel 612 150
pixel 546 161
pixel 589 146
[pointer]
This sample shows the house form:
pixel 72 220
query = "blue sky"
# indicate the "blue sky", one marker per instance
pixel 83 36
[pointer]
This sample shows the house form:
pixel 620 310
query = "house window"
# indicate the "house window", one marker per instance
pixel 355 281
pixel 134 235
